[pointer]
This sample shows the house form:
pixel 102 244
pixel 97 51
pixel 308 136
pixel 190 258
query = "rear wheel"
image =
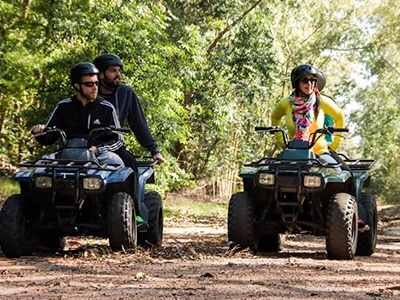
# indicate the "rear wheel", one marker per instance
pixel 367 240
pixel 17 238
pixel 122 222
pixel 271 242
pixel 240 222
pixel 154 234
pixel 342 226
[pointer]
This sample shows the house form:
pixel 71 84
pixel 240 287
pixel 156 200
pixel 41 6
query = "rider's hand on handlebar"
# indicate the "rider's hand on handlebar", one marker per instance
pixel 38 128
pixel 158 159
pixel 94 150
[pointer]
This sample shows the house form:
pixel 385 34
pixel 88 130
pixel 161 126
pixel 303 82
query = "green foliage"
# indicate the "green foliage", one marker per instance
pixel 206 73
pixel 180 208
pixel 8 187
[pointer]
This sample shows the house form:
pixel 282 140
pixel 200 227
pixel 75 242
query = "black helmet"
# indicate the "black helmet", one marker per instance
pixel 80 69
pixel 103 61
pixel 301 71
pixel 321 80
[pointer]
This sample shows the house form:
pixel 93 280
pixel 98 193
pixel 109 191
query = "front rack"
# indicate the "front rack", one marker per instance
pixel 68 165
pixel 284 162
pixel 354 164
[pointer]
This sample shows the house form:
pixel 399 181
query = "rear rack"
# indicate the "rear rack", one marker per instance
pixel 360 164
pixel 284 162
pixel 144 161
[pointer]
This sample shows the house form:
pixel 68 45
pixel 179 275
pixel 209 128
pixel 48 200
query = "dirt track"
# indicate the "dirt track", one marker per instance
pixel 194 264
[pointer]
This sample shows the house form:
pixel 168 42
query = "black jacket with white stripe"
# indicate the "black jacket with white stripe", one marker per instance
pixel 77 121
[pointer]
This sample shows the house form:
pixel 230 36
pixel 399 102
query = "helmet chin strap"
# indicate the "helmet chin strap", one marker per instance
pixel 83 96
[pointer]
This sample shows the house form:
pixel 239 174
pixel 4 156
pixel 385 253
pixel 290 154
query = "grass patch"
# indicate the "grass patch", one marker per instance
pixel 8 187
pixel 182 207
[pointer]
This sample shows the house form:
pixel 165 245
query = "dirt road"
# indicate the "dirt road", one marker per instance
pixel 194 264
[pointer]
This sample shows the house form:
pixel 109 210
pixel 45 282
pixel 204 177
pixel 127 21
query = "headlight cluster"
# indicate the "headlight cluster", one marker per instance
pixel 312 181
pixel 43 182
pixel 91 183
pixel 266 179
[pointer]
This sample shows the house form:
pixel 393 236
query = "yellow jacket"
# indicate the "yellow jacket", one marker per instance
pixel 327 106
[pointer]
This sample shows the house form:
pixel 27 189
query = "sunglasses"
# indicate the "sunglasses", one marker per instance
pixel 305 80
pixel 90 84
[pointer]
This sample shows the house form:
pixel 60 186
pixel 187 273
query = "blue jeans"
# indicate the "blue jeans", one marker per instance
pixel 110 158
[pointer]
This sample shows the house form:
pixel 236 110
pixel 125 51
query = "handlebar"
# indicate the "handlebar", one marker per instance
pixel 93 135
pixel 48 130
pixel 314 137
pixel 273 130
pixel 106 130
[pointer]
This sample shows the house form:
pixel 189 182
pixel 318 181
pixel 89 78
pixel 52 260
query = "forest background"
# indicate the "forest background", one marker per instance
pixel 207 72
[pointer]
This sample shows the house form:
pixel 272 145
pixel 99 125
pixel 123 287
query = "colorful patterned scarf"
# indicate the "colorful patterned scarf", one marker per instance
pixel 303 114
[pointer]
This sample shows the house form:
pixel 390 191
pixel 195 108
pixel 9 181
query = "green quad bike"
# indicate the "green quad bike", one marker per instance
pixel 297 193
pixel 69 193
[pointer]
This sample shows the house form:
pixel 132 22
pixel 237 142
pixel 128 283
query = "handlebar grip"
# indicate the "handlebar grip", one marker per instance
pixel 266 128
pixel 125 130
pixel 341 130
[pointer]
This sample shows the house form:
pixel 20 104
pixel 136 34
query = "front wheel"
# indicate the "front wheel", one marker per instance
pixel 342 227
pixel 367 240
pixel 240 222
pixel 17 238
pixel 122 231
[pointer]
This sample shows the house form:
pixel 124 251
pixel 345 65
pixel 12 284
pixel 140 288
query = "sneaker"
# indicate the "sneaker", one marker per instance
pixel 142 225
pixel 362 227
pixel 139 218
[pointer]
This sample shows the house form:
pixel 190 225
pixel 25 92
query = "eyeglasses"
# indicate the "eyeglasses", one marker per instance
pixel 90 84
pixel 306 80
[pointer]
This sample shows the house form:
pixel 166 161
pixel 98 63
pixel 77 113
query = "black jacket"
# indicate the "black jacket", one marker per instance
pixel 128 108
pixel 77 121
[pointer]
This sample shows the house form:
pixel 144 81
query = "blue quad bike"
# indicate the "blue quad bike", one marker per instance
pixel 296 192
pixel 69 193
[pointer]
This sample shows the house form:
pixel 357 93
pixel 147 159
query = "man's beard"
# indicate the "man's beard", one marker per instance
pixel 110 84
pixel 89 96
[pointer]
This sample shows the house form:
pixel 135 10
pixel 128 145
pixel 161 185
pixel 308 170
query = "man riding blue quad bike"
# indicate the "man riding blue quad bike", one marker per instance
pixel 69 193
pixel 296 192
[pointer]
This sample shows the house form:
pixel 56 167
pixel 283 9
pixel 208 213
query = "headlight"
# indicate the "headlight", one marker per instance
pixel 43 182
pixel 266 179
pixel 91 183
pixel 312 181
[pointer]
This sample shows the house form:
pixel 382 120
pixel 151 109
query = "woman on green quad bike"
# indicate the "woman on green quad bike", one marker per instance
pixel 305 110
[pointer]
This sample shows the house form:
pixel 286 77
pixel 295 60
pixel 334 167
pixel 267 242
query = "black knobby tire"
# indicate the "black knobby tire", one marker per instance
pixel 154 234
pixel 367 240
pixel 17 238
pixel 240 222
pixel 51 240
pixel 342 226
pixel 271 242
pixel 122 231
